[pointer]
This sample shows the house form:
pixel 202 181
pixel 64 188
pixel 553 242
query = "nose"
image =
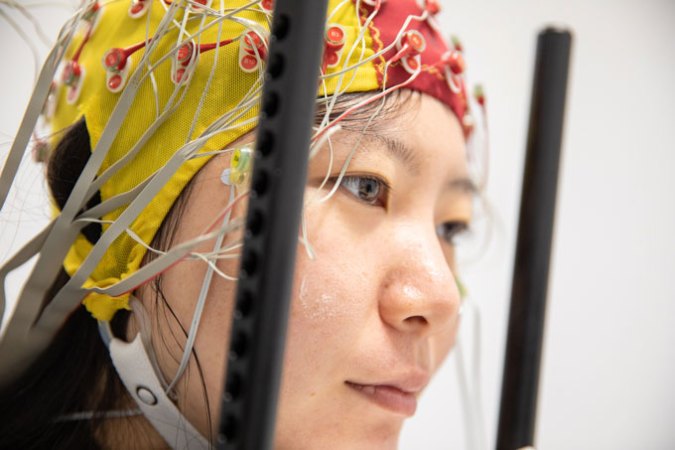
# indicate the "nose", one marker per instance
pixel 418 293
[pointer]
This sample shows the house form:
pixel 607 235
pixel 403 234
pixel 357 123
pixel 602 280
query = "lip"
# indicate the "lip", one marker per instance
pixel 398 396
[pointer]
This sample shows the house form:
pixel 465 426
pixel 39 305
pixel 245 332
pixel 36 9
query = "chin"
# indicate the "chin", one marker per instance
pixel 384 436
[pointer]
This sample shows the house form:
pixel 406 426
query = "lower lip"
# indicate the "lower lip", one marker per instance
pixel 388 397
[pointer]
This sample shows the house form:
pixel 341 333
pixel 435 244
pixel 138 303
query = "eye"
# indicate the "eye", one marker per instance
pixel 368 189
pixel 449 231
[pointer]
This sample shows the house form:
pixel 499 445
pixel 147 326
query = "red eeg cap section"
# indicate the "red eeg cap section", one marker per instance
pixel 439 60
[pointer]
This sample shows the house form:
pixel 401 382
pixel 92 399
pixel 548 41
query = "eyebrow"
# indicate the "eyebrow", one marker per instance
pixel 397 148
pixel 407 155
pixel 463 184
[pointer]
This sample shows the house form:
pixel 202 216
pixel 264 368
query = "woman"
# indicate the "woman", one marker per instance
pixel 157 106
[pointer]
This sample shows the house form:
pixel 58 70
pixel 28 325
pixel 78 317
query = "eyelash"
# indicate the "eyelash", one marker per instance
pixel 382 192
pixel 448 231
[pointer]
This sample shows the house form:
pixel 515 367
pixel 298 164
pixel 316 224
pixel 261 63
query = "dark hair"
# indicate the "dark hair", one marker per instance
pixel 61 380
pixel 75 373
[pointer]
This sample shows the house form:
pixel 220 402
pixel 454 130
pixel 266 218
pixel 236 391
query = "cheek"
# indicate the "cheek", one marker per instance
pixel 335 286
pixel 333 298
pixel 182 285
pixel 442 344
pixel 328 303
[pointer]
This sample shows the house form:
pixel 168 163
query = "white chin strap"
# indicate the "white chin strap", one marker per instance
pixel 135 368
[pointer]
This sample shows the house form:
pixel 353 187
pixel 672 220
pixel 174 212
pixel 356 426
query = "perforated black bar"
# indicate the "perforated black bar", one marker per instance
pixel 263 293
pixel 520 383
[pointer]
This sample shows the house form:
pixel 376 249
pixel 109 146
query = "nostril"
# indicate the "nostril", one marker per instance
pixel 416 320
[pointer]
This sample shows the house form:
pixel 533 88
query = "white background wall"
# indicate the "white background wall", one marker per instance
pixel 609 362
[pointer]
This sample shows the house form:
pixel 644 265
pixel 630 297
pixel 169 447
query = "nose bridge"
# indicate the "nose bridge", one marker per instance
pixel 419 292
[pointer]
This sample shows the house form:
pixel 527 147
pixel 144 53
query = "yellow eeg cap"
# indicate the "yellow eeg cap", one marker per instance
pixel 86 88
pixel 201 80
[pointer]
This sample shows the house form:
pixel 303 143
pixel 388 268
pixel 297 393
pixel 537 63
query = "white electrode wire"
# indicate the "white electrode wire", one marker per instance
pixel 322 141
pixel 211 153
pixel 145 330
pixel 110 171
pixel 465 395
pixel 123 221
pixel 451 82
pixel 230 124
pixel 304 239
pixel 201 301
pixel 338 7
pixel 156 266
pixel 359 64
pixel 207 86
pixel 151 67
pixel 206 136
pixel 470 383
pixel 34 108
pixel 333 99
pixel 477 382
pixel 169 109
pixel 212 265
pixel 36 25
pixel 360 37
pixel 29 5
pixel 211 131
pixel 208 11
pixel 27 251
pixel 148 64
pixel 166 7
pixel 181 26
pixel 27 40
pixel 223 253
pixel 251 98
pixel 348 160
pixel 331 161
pixel 383 94
pixel 134 83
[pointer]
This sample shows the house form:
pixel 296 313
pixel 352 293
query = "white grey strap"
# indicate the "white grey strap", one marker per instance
pixel 135 369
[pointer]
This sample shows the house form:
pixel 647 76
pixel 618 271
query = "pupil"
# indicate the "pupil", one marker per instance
pixel 368 188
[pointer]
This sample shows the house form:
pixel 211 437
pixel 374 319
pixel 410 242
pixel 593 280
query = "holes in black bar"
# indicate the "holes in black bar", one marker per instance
pixel 275 65
pixel 255 223
pixel 238 346
pixel 249 263
pixel 233 388
pixel 270 104
pixel 260 183
pixel 265 142
pixel 281 26
pixel 229 429
pixel 244 305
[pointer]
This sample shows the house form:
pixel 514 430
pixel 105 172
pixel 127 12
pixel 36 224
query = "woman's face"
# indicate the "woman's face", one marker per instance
pixel 375 312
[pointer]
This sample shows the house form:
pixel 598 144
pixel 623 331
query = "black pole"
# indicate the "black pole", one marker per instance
pixel 535 231
pixel 258 334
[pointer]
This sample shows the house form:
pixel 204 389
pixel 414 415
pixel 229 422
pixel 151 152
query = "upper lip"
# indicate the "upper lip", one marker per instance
pixel 411 382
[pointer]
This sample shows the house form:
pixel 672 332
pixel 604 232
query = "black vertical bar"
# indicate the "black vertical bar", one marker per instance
pixel 254 366
pixel 535 231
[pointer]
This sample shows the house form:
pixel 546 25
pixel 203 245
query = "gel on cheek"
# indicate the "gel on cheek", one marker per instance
pixel 318 302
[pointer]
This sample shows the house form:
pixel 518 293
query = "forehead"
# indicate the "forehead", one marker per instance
pixel 415 130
